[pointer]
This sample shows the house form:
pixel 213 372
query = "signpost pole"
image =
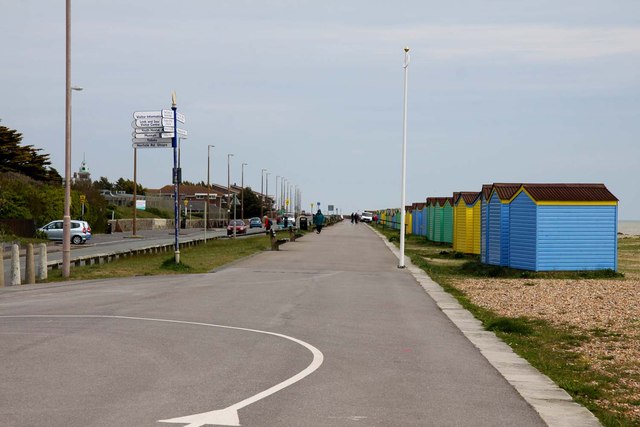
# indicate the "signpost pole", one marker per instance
pixel 135 187
pixel 176 209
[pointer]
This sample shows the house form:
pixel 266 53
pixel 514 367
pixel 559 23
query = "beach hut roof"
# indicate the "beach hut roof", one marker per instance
pixel 469 197
pixel 486 190
pixel 418 205
pixel 443 200
pixel 506 191
pixel 569 192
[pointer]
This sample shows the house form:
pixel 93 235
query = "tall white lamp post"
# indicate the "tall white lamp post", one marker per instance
pixel 262 194
pixel 229 187
pixel 242 192
pixel 206 203
pixel 404 157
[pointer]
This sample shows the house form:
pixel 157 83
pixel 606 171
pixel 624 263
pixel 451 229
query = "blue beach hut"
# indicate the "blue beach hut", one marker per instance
pixel 484 207
pixel 563 227
pixel 497 223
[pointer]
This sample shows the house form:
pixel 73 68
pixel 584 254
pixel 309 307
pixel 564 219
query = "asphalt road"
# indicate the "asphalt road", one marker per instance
pixel 359 343
pixel 110 243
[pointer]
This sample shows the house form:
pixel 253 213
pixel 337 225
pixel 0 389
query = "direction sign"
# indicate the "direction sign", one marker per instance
pixel 150 122
pixel 151 140
pixel 167 135
pixel 167 114
pixel 181 118
pixel 151 145
pixel 152 129
pixel 146 134
pixel 146 114
pixel 182 132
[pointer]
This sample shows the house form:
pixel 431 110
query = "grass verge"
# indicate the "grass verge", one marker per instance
pixel 195 259
pixel 552 349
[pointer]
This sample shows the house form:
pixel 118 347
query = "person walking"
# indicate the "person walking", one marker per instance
pixel 318 221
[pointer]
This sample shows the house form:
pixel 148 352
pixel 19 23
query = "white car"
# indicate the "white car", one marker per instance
pixel 80 231
pixel 291 220
pixel 366 217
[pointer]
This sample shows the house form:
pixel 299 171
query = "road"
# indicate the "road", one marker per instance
pixel 325 332
pixel 109 243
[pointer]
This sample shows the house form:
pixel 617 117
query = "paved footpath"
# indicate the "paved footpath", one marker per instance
pixel 325 332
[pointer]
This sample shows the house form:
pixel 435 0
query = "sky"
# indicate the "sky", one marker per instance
pixel 498 91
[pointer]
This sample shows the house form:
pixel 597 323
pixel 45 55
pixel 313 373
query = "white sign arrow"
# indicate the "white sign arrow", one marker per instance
pixel 150 122
pixel 145 134
pixel 181 118
pixel 182 132
pixel 151 145
pixel 146 114
pixel 151 140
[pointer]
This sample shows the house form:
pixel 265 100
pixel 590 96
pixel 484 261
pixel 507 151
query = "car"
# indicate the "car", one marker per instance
pixel 366 217
pixel 80 231
pixel 290 220
pixel 239 225
pixel 255 222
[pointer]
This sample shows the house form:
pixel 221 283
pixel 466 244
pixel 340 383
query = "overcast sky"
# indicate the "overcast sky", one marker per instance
pixel 499 91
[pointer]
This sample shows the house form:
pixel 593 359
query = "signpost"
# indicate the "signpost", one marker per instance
pixel 159 129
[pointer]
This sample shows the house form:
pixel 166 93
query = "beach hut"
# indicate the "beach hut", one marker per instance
pixel 443 220
pixel 484 207
pixel 563 227
pixel 497 223
pixel 466 222
pixel 408 219
pixel 418 219
pixel 431 216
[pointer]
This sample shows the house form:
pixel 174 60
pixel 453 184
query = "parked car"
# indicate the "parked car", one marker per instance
pixel 80 231
pixel 255 222
pixel 239 225
pixel 290 220
pixel 366 217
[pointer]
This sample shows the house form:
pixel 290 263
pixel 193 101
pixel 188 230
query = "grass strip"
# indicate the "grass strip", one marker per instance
pixel 194 259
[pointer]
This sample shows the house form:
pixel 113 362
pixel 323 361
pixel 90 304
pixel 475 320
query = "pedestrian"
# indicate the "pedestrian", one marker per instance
pixel 267 223
pixel 357 217
pixel 318 221
pixel 352 217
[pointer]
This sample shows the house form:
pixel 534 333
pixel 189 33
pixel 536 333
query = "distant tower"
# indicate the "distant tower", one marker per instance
pixel 83 174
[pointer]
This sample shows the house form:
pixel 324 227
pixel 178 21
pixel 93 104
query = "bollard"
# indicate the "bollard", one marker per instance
pixel 15 265
pixel 42 266
pixel 29 270
pixel 1 265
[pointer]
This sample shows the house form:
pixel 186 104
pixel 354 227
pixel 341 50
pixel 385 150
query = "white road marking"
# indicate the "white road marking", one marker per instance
pixel 227 416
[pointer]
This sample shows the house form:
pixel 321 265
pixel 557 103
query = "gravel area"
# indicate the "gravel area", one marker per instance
pixel 606 310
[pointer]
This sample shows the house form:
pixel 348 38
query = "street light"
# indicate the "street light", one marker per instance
pixel 229 187
pixel 267 180
pixel 206 204
pixel 66 227
pixel 242 192
pixel 262 193
pixel 276 201
pixel 404 157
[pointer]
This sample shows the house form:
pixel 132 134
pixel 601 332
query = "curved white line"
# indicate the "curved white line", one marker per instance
pixel 227 416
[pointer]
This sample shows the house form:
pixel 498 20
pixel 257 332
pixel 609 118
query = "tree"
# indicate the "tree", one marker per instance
pixel 103 184
pixel 25 160
pixel 126 185
pixel 251 204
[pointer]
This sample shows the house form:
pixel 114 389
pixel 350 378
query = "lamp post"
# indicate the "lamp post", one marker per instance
pixel 262 193
pixel 229 187
pixel 267 190
pixel 277 199
pixel 206 203
pixel 242 192
pixel 404 157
